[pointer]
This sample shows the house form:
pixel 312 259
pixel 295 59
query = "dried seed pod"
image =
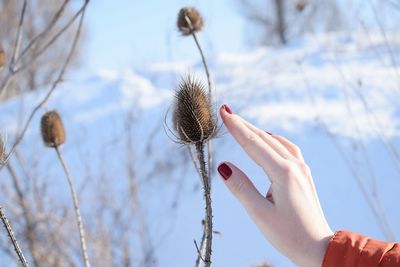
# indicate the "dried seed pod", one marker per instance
pixel 193 116
pixel 2 57
pixel 52 129
pixel 191 14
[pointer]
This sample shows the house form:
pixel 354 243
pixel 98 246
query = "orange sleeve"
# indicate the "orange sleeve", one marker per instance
pixel 348 249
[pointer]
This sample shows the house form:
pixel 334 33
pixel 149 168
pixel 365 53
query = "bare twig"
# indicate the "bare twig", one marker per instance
pixel 55 37
pixel 50 26
pixel 30 230
pixel 52 88
pixel 14 241
pixel 18 40
pixel 76 207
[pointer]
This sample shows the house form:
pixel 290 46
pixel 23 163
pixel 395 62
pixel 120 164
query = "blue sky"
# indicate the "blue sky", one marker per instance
pixel 123 34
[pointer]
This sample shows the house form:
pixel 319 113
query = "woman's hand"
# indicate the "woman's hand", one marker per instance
pixel 289 215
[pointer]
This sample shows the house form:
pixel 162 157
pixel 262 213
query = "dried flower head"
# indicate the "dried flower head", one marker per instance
pixel 2 57
pixel 52 129
pixel 193 116
pixel 189 21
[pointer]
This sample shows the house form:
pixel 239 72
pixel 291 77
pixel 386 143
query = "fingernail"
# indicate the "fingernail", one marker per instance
pixel 268 133
pixel 225 171
pixel 227 108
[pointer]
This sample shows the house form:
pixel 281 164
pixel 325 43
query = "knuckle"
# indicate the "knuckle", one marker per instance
pixel 239 186
pixel 249 140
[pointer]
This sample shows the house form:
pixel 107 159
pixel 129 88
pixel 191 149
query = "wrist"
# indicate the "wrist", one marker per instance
pixel 314 254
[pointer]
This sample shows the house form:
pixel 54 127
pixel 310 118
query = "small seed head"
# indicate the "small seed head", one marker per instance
pixel 52 129
pixel 194 17
pixel 193 116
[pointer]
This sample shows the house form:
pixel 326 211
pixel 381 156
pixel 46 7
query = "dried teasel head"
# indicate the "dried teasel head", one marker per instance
pixel 52 129
pixel 193 116
pixel 2 57
pixel 189 21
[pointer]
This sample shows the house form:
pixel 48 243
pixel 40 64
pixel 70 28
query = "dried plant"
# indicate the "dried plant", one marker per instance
pixel 2 57
pixel 189 21
pixel 53 135
pixel 52 129
pixel 193 116
pixel 195 124
pixel 2 150
pixel 14 241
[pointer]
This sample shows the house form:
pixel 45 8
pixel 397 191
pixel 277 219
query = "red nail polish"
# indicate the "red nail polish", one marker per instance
pixel 225 171
pixel 227 108
pixel 268 133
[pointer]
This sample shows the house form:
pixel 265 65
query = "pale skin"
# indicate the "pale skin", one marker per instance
pixel 289 215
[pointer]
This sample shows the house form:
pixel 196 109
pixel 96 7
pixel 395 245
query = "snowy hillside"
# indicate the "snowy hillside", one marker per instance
pixel 333 95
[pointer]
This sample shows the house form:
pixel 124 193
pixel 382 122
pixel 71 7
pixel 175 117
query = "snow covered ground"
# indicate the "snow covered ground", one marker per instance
pixel 334 95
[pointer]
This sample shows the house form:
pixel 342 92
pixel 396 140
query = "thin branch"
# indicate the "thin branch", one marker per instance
pixel 18 40
pixel 55 37
pixel 53 87
pixel 76 207
pixel 14 241
pixel 49 27
pixel 29 228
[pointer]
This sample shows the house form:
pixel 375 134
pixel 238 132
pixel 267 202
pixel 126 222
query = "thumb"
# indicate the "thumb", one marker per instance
pixel 241 186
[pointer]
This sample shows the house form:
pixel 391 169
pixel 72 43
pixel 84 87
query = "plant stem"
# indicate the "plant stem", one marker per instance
pixel 207 197
pixel 12 238
pixel 76 206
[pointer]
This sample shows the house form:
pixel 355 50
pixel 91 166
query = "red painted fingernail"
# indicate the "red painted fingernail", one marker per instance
pixel 225 171
pixel 268 133
pixel 227 108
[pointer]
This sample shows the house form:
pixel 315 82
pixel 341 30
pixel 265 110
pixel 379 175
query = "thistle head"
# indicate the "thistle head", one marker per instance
pixel 193 116
pixel 52 129
pixel 189 21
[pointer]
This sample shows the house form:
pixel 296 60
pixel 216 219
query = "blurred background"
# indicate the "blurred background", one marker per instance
pixel 322 73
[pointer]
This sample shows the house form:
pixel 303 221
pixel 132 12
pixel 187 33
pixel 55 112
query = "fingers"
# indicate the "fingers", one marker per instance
pixel 262 153
pixel 241 186
pixel 269 139
pixel 292 148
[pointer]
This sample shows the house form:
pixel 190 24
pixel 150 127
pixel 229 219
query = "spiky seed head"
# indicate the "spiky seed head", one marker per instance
pixel 193 116
pixel 2 57
pixel 195 18
pixel 2 150
pixel 52 129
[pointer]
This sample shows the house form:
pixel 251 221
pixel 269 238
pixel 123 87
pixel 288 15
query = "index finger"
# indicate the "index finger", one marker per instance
pixel 264 155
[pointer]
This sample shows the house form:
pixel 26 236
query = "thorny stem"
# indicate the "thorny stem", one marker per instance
pixel 76 207
pixel 12 238
pixel 207 197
